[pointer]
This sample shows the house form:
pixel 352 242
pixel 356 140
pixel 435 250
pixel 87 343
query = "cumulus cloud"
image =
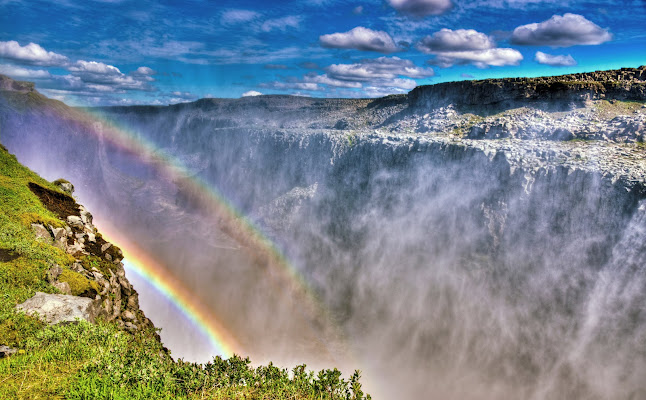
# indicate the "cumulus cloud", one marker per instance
pixel 368 77
pixel 554 60
pixel 380 68
pixel 16 72
pixel 282 24
pixel 324 79
pixel 144 71
pixel 360 38
pixel 561 31
pixel 251 93
pixel 421 8
pixel 234 16
pixel 308 86
pixel 455 40
pixel 105 77
pixel 466 46
pixel 31 53
pixel 480 58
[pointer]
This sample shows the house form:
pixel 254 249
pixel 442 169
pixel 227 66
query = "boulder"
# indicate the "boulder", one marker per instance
pixel 64 287
pixel 6 351
pixel 41 232
pixel 75 221
pixel 65 186
pixel 57 308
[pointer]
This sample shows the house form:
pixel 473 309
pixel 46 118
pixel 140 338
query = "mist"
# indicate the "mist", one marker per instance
pixel 439 270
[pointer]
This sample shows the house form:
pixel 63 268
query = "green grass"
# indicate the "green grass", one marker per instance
pixel 85 361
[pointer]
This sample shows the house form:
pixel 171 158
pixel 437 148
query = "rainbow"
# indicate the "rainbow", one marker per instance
pixel 230 220
pixel 166 283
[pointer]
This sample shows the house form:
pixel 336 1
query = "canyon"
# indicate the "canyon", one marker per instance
pixel 469 240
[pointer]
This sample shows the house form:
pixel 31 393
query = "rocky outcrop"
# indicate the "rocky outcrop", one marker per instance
pixel 9 84
pixel 552 91
pixel 95 284
pixel 57 308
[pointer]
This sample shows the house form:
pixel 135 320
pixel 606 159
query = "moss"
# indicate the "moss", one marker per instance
pixel 104 266
pixel 33 218
pixel 79 284
pixel 60 181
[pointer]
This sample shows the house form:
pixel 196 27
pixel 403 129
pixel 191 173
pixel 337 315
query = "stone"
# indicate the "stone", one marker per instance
pixel 130 326
pixel 75 222
pixel 6 351
pixel 65 186
pixel 63 287
pixel 105 247
pixel 41 232
pixel 91 237
pixel 53 273
pixel 129 315
pixel 57 308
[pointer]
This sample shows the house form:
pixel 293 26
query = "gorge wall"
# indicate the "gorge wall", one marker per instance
pixel 448 266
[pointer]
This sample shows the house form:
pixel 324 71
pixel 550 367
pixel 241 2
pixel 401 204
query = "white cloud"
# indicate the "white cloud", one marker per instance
pixel 324 79
pixel 23 73
pixel 145 71
pixel 282 24
pixel 466 46
pixel 455 40
pixel 421 8
pixel 233 17
pixel 94 67
pixel 309 86
pixel 30 54
pixel 561 31
pixel 360 38
pixel 251 93
pixel 98 73
pixel 380 68
pixel 554 60
pixel 480 58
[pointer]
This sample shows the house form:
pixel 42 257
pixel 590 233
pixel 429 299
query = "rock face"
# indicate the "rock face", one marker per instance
pixel 624 84
pixel 57 308
pixel 96 279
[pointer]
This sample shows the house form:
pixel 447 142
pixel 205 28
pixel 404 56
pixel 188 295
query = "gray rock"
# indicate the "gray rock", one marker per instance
pixel 65 186
pixel 130 326
pixel 53 273
pixel 75 221
pixel 6 351
pixel 41 232
pixel 105 247
pixel 128 315
pixel 58 233
pixel 57 308
pixel 64 287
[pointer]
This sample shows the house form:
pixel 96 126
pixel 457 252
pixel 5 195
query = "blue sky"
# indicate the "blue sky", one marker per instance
pixel 109 52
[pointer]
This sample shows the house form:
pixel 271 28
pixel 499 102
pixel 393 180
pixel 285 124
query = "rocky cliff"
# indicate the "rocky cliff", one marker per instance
pixel 551 92
pixel 96 274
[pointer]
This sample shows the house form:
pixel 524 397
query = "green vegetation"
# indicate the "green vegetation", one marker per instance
pixel 101 361
pixel 79 284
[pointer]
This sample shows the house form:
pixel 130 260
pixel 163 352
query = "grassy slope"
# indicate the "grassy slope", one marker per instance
pixel 85 361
